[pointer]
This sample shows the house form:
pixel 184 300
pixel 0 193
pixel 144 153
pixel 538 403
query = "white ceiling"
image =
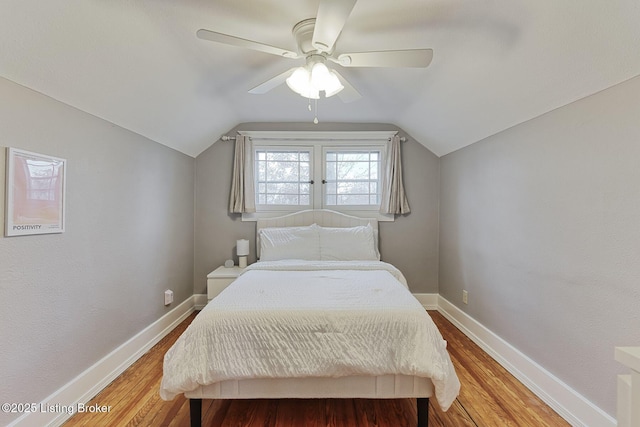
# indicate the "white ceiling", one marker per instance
pixel 496 63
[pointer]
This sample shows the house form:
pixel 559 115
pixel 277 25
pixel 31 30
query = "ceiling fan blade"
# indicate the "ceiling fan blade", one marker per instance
pixel 418 58
pixel 272 82
pixel 349 93
pixel 332 15
pixel 239 42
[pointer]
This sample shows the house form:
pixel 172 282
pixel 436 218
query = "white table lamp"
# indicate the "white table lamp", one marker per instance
pixel 242 249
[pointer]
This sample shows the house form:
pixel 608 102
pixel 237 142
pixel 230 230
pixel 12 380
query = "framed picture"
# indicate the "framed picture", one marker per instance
pixel 35 193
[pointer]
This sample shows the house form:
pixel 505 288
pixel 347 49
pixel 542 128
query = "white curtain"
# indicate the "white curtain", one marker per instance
pixel 242 198
pixel 394 200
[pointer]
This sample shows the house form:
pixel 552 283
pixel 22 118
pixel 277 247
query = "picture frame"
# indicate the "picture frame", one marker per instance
pixel 35 193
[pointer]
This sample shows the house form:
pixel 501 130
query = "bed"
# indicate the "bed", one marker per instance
pixel 319 316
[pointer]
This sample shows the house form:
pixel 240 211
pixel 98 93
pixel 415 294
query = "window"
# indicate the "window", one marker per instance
pixel 341 171
pixel 283 177
pixel 352 177
pixel 345 178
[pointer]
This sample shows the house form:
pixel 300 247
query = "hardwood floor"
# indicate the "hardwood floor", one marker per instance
pixel 489 396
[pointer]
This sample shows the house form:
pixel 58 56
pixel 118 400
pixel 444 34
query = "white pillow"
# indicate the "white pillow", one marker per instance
pixel 290 243
pixel 348 244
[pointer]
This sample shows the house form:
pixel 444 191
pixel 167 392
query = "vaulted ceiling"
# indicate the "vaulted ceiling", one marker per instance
pixel 496 63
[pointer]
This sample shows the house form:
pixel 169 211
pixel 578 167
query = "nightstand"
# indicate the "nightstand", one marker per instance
pixel 220 278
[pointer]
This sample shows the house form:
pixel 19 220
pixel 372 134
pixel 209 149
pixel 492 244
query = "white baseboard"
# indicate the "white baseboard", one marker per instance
pixel 428 301
pixel 568 403
pixel 89 383
pixel 199 301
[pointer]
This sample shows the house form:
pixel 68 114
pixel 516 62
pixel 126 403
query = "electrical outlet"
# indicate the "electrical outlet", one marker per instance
pixel 168 297
pixel 465 297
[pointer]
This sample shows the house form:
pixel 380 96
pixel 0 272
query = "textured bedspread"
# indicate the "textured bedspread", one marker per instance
pixel 316 320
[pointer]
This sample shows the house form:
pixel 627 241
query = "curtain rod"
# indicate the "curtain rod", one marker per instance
pixel 233 138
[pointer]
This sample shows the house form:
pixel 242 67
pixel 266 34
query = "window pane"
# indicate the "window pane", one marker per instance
pixel 353 170
pixel 282 188
pixel 305 172
pixel 262 171
pixel 331 200
pixel 351 157
pixel 331 170
pixel 282 156
pixel 353 187
pixel 375 167
pixel 331 188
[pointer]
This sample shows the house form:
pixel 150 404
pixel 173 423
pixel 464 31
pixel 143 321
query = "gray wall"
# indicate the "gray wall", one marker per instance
pixel 410 243
pixel 541 224
pixel 67 300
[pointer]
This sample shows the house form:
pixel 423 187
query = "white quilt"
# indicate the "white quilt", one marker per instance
pixel 311 319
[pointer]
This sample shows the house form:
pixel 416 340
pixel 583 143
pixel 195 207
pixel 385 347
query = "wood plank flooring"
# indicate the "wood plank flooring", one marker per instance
pixel 489 396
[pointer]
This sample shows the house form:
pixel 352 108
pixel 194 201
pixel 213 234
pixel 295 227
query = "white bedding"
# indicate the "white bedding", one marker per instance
pixel 311 319
pixel 302 265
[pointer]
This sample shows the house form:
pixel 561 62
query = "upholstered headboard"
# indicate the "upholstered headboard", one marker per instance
pixel 322 217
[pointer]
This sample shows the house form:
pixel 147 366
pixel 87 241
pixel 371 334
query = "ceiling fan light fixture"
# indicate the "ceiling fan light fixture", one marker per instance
pixel 309 84
pixel 299 82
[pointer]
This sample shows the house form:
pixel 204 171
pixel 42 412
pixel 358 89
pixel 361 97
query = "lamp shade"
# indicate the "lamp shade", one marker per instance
pixel 333 85
pixel 299 82
pixel 242 247
pixel 319 76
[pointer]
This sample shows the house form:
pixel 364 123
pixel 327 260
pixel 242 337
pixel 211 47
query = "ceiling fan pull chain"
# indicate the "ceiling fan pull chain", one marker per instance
pixel 315 119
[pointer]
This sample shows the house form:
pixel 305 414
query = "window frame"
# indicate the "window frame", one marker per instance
pixel 320 142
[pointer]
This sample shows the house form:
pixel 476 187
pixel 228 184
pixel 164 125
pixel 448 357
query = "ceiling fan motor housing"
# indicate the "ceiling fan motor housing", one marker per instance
pixel 303 32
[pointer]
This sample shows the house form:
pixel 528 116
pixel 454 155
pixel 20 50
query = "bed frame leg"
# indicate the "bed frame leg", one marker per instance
pixel 423 411
pixel 195 412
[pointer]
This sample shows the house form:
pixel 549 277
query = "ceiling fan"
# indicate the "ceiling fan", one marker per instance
pixel 316 39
